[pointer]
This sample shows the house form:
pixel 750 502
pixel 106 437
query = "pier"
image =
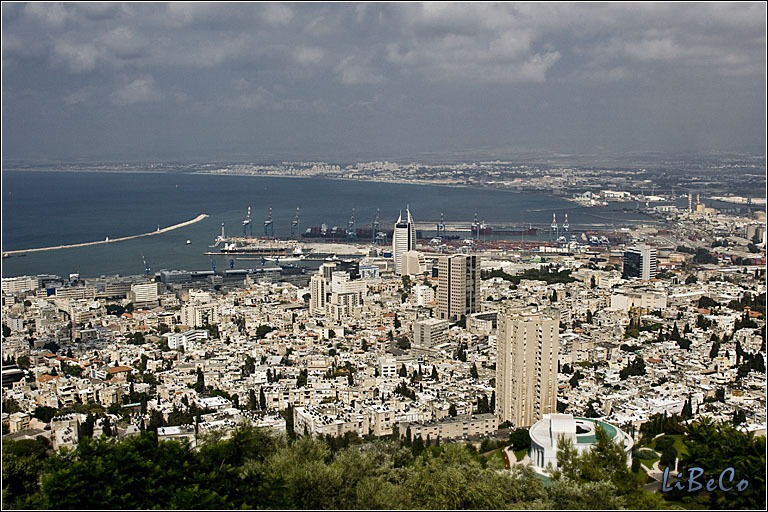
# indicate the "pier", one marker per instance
pixel 108 240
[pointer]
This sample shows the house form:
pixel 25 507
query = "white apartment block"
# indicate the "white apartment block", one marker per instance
pixel 13 285
pixel 317 290
pixel 144 292
pixel 412 263
pixel 423 294
pixel 430 332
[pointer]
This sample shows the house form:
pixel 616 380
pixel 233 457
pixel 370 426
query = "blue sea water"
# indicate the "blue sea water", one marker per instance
pixel 48 208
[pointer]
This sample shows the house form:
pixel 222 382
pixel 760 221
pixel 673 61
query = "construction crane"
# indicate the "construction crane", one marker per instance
pixel 295 225
pixel 146 265
pixel 213 264
pixel 566 226
pixel 269 228
pixel 247 223
pixel 231 263
pixel 351 232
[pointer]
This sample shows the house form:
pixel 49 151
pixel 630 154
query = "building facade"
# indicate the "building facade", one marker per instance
pixel 403 239
pixel 429 332
pixel 317 294
pixel 526 365
pixel 639 262
pixel 458 285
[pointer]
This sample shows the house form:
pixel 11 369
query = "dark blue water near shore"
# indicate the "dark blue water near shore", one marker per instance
pixel 42 209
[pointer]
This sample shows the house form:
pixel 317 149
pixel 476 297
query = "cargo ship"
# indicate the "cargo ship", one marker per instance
pixel 337 233
pixel 488 230
pixel 271 247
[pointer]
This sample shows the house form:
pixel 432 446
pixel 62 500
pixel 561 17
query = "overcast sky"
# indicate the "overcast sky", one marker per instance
pixel 375 80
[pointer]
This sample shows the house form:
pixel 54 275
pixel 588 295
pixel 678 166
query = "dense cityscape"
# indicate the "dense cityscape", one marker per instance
pixel 383 255
pixel 500 345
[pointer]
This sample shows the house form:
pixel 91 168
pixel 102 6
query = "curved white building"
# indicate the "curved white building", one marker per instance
pixel 581 431
pixel 403 239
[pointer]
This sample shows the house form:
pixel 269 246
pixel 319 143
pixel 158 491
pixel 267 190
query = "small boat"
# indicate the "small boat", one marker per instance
pixel 189 242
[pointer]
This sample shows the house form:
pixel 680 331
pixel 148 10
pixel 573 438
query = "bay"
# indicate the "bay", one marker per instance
pixel 48 208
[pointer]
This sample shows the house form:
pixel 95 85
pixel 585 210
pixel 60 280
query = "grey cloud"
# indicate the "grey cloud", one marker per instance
pixel 140 90
pixel 482 69
pixel 353 72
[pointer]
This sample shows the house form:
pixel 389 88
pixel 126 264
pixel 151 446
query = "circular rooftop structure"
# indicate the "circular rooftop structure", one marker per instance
pixel 582 432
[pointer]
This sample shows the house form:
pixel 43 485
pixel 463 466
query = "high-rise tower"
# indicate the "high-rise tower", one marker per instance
pixel 527 350
pixel 403 239
pixel 458 285
pixel 639 262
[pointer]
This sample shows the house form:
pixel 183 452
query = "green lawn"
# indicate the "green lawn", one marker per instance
pixel 519 454
pixel 648 463
pixel 496 460
pixel 678 444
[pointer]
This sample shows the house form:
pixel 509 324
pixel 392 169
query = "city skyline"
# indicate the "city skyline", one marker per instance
pixel 440 80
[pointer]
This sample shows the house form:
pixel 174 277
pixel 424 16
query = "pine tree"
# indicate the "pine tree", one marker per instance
pixel 262 400
pixel 714 350
pixel 473 371
pixel 434 373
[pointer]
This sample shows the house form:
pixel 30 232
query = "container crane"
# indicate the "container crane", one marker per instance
pixel 295 225
pixel 351 232
pixel 246 224
pixel 269 228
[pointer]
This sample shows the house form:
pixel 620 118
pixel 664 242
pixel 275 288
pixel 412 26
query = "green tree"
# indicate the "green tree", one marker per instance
pixel 23 463
pixel 520 439
pixel 262 399
pixel 717 446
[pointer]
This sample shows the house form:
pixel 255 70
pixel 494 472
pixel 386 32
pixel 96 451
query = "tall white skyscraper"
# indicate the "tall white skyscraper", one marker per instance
pixel 526 366
pixel 403 239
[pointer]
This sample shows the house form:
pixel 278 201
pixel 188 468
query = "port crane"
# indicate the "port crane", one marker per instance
pixel 146 265
pixel 379 237
pixel 441 227
pixel 475 228
pixel 246 224
pixel 375 227
pixel 351 232
pixel 553 231
pixel 269 227
pixel 295 225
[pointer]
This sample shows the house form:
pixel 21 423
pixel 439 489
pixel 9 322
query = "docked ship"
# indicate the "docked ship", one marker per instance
pixel 485 229
pixel 267 247
pixel 337 233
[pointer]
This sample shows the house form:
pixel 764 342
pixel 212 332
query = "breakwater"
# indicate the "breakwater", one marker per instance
pixel 107 240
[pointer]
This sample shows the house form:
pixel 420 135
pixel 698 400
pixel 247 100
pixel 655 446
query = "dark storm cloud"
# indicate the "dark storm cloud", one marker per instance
pixel 147 80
